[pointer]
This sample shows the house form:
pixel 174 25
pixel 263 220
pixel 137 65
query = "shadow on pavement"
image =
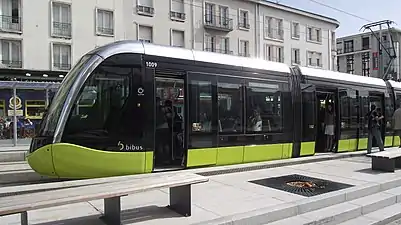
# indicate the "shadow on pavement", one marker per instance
pixel 130 216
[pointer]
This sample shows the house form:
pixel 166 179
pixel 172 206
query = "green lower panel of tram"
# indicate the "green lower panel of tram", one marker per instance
pixel 308 148
pixel 396 141
pixel 350 145
pixel 347 145
pixel 388 141
pixel 73 161
pixel 238 154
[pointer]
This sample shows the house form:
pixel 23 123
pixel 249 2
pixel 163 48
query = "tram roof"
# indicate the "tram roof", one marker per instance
pixel 341 77
pixel 396 85
pixel 139 47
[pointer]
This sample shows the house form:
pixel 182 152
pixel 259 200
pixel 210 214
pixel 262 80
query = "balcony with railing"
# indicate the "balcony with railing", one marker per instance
pixel 62 66
pixel 105 30
pixel 11 63
pixel 10 23
pixel 145 10
pixel 62 29
pixel 177 16
pixel 222 23
pixel 352 50
pixel 222 51
pixel 277 34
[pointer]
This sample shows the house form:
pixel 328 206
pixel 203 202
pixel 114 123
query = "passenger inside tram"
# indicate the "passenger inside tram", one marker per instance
pixel 255 121
pixel 327 120
pixel 169 132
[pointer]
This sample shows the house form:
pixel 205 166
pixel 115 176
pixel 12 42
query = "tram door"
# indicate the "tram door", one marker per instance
pixel 308 123
pixel 324 99
pixel 170 123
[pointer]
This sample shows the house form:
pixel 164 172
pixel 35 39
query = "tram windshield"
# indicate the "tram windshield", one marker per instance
pixel 51 118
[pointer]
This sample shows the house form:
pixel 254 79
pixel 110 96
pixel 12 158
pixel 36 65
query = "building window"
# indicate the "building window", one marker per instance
pixel 273 28
pixel 295 30
pixel 224 17
pixel 274 53
pixel 314 34
pixel 319 59
pixel 105 22
pixel 61 57
pixel 177 38
pixel 61 19
pixel 11 53
pixel 350 64
pixel 145 34
pixel 217 44
pixel 210 13
pixel 210 43
pixel 177 12
pixel 365 43
pixel 366 64
pixel 217 17
pixel 225 45
pixel 243 48
pixel 348 46
pixel 333 41
pixel 145 7
pixel 10 15
pixel 314 59
pixel 243 21
pixel 295 56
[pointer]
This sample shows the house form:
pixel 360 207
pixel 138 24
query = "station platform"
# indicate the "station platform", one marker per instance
pixel 13 153
pixel 231 197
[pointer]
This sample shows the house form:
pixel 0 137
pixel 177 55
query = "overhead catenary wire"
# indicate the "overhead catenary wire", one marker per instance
pixel 340 10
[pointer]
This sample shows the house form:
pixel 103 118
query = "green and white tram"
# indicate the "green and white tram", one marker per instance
pixel 131 107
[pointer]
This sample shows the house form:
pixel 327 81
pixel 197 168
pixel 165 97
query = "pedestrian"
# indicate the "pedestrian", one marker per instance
pixel 329 129
pixel 374 120
pixel 397 123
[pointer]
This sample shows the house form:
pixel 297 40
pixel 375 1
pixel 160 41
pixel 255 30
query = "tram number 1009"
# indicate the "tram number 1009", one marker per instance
pixel 151 64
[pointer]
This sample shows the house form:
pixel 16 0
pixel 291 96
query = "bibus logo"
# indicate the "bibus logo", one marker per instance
pixel 129 147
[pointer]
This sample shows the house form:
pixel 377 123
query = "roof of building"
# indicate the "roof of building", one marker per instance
pixel 297 11
pixel 393 29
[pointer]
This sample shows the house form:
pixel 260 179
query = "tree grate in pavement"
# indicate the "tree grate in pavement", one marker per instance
pixel 301 185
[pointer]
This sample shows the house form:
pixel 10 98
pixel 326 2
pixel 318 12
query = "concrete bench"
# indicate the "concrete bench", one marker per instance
pixel 179 185
pixel 386 160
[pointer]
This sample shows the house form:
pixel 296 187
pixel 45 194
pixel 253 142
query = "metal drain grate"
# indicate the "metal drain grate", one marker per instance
pixel 301 185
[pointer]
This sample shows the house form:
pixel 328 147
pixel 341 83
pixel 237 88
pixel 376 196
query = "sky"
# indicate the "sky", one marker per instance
pixel 372 10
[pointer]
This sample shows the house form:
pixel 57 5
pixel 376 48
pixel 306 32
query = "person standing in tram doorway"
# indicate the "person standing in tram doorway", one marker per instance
pixel 397 123
pixel 329 127
pixel 374 129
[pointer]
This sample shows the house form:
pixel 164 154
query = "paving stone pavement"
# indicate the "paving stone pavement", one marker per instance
pixel 224 195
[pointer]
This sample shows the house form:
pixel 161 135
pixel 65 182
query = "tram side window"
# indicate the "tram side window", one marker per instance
pixel 201 106
pixel 398 100
pixel 263 108
pixel 230 107
pixel 100 103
